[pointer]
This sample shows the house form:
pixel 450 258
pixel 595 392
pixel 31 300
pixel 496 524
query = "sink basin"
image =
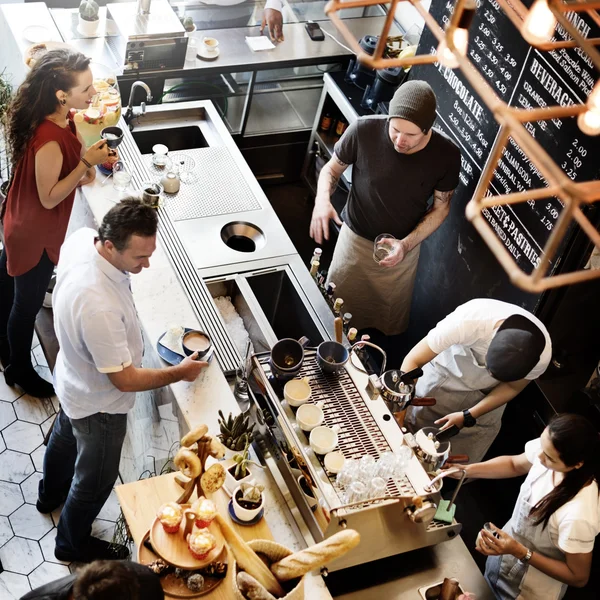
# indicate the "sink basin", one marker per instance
pixel 243 237
pixel 174 138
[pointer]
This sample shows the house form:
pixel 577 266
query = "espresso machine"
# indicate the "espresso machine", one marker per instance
pixel 383 87
pixel 357 73
pixel 399 521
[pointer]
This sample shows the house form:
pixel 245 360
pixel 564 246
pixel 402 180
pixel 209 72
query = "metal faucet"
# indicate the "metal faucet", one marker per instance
pixel 129 114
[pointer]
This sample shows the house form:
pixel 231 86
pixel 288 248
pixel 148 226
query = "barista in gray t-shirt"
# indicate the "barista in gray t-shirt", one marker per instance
pixel 398 163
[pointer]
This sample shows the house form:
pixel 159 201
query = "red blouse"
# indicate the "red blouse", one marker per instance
pixel 29 228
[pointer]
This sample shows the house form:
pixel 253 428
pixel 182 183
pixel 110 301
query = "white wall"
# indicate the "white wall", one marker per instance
pixel 410 20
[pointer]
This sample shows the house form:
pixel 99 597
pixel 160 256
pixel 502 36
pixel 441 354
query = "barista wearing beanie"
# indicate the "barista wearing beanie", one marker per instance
pixel 398 164
pixel 475 361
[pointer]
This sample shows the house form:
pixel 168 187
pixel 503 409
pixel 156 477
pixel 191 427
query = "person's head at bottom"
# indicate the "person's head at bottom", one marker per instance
pixel 127 235
pixel 116 579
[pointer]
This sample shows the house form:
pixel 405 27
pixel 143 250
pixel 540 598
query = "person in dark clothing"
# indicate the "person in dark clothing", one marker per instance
pixel 103 580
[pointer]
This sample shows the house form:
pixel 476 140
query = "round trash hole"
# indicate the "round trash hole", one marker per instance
pixel 243 237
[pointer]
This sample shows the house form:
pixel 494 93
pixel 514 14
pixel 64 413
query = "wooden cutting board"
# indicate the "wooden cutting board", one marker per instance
pixel 141 499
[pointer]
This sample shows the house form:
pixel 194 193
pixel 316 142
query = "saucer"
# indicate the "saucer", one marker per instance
pixel 104 170
pixel 204 55
pixel 234 518
pixel 173 358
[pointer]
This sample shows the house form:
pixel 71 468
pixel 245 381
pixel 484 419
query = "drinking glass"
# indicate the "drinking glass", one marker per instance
pixel 366 468
pixel 184 164
pixel 348 473
pixel 383 246
pixel 402 459
pixel 386 465
pixel 121 176
pixel 356 492
pixel 377 487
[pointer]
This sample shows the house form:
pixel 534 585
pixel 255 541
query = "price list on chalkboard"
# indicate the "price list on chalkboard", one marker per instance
pixel 524 78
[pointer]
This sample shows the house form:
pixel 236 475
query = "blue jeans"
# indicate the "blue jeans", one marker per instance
pixel 82 459
pixel 21 298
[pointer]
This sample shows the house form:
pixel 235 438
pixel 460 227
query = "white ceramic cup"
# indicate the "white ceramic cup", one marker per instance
pixel 210 44
pixel 324 439
pixel 334 462
pixel 310 416
pixel 244 514
pixel 297 392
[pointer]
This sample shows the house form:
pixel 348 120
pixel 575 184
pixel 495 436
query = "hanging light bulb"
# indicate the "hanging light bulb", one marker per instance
pixel 446 57
pixel 458 31
pixel 589 121
pixel 538 26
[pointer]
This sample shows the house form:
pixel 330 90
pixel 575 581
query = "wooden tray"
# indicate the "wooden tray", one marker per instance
pixel 173 548
pixel 175 586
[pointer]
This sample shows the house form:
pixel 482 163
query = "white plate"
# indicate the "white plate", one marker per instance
pixel 204 55
pixel 36 34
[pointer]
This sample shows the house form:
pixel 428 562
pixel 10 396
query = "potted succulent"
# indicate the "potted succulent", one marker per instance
pixel 236 433
pixel 89 17
pixel 248 500
pixel 240 472
pixel 188 24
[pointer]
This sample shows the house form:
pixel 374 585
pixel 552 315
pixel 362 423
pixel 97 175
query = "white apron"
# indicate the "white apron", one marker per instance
pixel 376 296
pixel 457 381
pixel 511 579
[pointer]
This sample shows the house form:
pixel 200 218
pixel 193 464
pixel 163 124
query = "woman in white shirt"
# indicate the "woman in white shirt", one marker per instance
pixel 548 542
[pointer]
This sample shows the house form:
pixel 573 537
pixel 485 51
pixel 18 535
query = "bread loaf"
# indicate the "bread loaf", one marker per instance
pixel 251 588
pixel 302 562
pixel 248 559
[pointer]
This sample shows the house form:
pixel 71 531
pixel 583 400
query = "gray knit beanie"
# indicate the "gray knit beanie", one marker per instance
pixel 415 102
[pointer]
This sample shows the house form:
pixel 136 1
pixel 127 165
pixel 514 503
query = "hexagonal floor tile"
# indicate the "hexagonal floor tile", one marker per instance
pixel 23 437
pixel 47 544
pixel 47 572
pixel 39 356
pixel 21 556
pixel 13 586
pixel 111 509
pixel 10 497
pixel 2 444
pixel 15 467
pixel 47 425
pixel 9 393
pixel 30 488
pixel 33 410
pixel 7 414
pixel 37 456
pixel 5 531
pixel 103 529
pixel 27 522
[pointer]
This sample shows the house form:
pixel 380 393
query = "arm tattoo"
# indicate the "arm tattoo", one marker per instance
pixel 442 197
pixel 339 162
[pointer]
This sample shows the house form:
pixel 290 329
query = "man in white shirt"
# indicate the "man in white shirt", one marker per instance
pixel 98 371
pixel 474 361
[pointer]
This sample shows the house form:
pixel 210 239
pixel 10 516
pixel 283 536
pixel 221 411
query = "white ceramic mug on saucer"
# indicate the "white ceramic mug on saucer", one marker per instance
pixel 324 439
pixel 210 45
pixel 297 392
pixel 334 462
pixel 310 416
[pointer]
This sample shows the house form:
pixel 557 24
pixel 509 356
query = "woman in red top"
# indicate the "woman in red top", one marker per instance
pixel 49 161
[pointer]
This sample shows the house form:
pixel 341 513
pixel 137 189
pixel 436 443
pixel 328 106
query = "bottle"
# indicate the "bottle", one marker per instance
pixel 337 305
pixel 330 289
pixel 314 268
pixel 341 126
pixel 317 254
pixel 352 333
pixel 347 318
pixel 326 121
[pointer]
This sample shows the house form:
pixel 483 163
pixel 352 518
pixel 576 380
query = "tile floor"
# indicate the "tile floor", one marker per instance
pixel 26 536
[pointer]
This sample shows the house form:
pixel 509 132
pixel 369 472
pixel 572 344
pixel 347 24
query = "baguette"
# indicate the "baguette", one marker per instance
pixel 251 589
pixel 248 559
pixel 302 562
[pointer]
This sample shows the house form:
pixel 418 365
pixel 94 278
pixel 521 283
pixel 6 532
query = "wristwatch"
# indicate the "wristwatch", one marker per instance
pixel 527 556
pixel 469 419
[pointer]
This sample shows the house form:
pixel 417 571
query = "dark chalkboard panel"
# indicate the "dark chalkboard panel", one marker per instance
pixel 455 264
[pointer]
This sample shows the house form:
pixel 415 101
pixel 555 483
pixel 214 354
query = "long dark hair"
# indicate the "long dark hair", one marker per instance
pixel 576 441
pixel 36 97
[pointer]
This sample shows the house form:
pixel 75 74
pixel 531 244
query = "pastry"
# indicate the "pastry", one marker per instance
pixel 302 562
pixel 200 543
pixel 213 478
pixel 170 515
pixel 205 511
pixel 188 463
pixel 159 566
pixel 251 589
pixel 195 582
pixel 193 436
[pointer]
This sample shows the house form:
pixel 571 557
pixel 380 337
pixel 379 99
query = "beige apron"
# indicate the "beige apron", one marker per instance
pixel 376 296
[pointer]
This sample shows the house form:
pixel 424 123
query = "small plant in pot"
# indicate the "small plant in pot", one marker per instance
pixel 236 433
pixel 248 500
pixel 89 17
pixel 240 471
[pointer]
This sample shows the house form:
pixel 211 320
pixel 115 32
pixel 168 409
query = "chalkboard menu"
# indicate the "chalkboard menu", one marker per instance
pixel 455 263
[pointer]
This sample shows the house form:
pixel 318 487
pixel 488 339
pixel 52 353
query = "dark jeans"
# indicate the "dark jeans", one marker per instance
pixel 21 298
pixel 82 459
